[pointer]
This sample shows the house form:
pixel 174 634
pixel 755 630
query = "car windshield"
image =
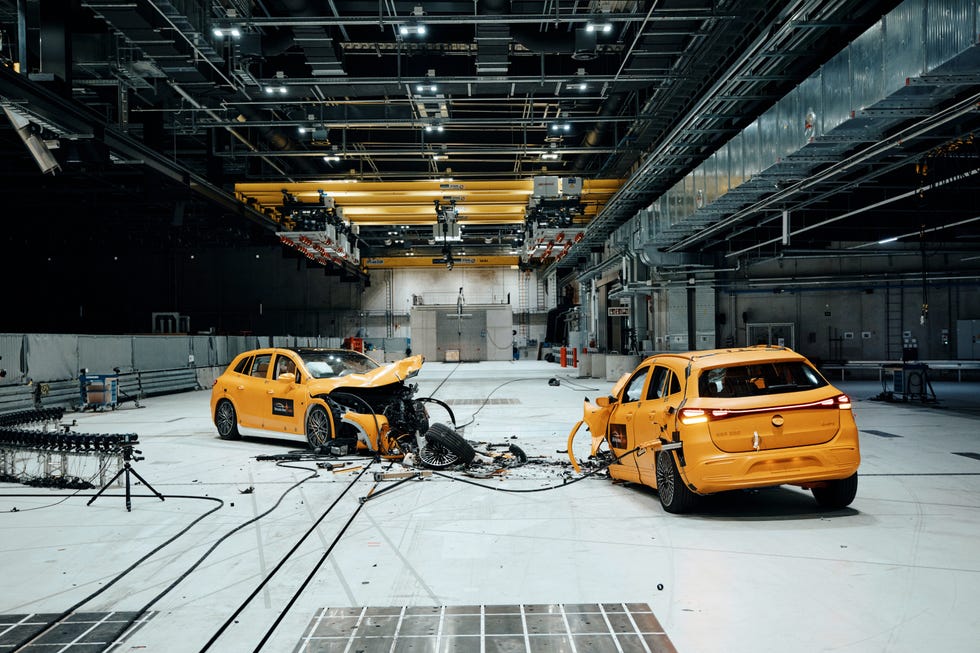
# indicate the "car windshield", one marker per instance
pixel 758 379
pixel 326 364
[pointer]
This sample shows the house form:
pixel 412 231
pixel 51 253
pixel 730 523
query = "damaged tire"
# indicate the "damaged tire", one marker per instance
pixel 444 448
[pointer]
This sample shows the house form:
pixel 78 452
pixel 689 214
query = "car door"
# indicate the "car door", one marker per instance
pixel 285 403
pixel 250 391
pixel 655 417
pixel 621 425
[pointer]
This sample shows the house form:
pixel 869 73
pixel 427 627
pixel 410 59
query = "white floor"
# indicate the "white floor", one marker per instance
pixel 752 572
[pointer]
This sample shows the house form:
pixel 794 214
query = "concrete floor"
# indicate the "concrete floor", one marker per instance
pixel 268 557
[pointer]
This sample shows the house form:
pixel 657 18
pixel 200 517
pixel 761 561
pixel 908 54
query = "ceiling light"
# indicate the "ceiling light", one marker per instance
pixel 887 240
pixel 561 127
pixel 275 89
pixel 434 128
pixel 221 32
pixel 605 28
pixel 331 158
pixel 405 30
pixel 423 88
pixel 439 157
pixel 550 155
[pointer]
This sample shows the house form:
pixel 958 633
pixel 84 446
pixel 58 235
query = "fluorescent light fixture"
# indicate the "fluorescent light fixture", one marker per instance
pixel 434 128
pixel 887 240
pixel 550 155
pixel 221 32
pixel 605 28
pixel 439 157
pixel 330 158
pixel 561 127
pixel 422 88
pixel 405 30
pixel 275 89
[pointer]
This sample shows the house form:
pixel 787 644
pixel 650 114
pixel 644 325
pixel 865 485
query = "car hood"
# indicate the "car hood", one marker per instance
pixel 385 375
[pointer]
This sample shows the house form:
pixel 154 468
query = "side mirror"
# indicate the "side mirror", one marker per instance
pixel 287 377
pixel 605 402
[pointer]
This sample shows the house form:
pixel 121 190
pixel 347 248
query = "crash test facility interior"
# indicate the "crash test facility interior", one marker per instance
pixel 508 206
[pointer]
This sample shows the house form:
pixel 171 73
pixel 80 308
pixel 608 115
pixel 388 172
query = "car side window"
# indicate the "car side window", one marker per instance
pixel 243 365
pixel 285 365
pixel 633 391
pixel 260 367
pixel 673 384
pixel 656 390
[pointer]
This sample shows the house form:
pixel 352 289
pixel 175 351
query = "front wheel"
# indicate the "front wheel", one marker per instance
pixel 319 428
pixel 675 496
pixel 837 494
pixel 444 448
pixel 226 421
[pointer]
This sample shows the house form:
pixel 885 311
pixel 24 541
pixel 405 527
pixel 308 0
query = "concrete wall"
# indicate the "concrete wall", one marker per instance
pixel 480 332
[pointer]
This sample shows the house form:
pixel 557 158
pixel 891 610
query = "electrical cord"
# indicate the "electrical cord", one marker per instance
pixel 312 574
pixel 487 400
pixel 218 542
pixel 283 561
pixel 603 467
pixel 67 613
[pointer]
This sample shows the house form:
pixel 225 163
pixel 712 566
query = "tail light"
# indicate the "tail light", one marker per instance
pixel 693 416
pixel 844 402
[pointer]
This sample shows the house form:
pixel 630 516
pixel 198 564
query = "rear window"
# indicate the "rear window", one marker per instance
pixel 758 379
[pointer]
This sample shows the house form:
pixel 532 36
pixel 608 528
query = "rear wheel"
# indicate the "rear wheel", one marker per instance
pixel 226 420
pixel 319 429
pixel 836 494
pixel 444 448
pixel 675 497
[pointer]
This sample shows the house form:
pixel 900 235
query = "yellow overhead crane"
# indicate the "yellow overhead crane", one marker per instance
pixel 412 203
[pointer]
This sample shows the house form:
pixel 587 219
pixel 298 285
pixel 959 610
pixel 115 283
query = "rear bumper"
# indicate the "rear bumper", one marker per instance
pixel 795 466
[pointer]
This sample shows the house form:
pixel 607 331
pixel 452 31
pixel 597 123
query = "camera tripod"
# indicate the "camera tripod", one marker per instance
pixel 127 469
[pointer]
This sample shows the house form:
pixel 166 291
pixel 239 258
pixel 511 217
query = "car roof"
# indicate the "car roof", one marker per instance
pixel 734 356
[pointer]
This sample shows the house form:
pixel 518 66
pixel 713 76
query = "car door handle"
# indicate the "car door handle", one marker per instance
pixel 241 387
pixel 270 391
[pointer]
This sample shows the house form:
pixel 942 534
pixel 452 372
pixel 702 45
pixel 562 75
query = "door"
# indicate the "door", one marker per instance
pixel 621 431
pixel 655 418
pixel 251 391
pixel 285 407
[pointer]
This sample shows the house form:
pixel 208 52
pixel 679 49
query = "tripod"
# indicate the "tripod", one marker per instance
pixel 127 469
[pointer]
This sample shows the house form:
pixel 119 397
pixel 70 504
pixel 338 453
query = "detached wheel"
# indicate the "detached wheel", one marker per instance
pixel 444 448
pixel 675 497
pixel 226 421
pixel 836 494
pixel 319 428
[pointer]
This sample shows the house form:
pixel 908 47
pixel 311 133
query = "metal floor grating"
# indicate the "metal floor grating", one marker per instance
pixel 541 628
pixel 83 632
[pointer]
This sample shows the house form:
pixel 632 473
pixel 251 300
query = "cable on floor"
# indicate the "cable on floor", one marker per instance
pixel 283 561
pixel 67 613
pixel 566 483
pixel 487 400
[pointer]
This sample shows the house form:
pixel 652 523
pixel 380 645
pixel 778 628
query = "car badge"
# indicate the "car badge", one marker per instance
pixel 777 420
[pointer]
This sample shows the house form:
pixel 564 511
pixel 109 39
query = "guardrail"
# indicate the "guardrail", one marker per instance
pixel 68 393
pixel 879 367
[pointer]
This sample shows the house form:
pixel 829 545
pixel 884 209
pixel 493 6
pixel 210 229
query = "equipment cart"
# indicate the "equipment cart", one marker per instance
pixel 99 391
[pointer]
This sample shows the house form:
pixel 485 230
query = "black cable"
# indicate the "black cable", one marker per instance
pixel 541 489
pixel 487 400
pixel 67 613
pixel 105 466
pixel 310 576
pixel 214 546
pixel 283 561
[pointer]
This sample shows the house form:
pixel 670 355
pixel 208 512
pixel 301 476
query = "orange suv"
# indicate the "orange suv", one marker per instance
pixel 727 419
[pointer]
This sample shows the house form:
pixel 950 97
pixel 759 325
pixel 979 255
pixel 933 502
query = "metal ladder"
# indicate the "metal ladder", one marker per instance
pixel 894 308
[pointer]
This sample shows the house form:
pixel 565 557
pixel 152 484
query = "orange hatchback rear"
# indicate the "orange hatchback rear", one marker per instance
pixel 728 419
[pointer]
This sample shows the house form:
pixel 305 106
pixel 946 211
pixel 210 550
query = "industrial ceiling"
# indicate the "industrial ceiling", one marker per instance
pixel 182 122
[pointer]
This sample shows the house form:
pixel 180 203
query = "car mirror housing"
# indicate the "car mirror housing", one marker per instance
pixel 605 402
pixel 287 377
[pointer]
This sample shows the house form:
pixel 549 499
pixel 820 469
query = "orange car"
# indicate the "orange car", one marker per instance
pixel 727 419
pixel 332 396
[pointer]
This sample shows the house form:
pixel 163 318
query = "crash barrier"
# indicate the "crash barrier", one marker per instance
pixel 37 449
pixel 98 391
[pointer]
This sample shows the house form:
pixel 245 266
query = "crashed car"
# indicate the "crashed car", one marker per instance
pixel 701 422
pixel 334 399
